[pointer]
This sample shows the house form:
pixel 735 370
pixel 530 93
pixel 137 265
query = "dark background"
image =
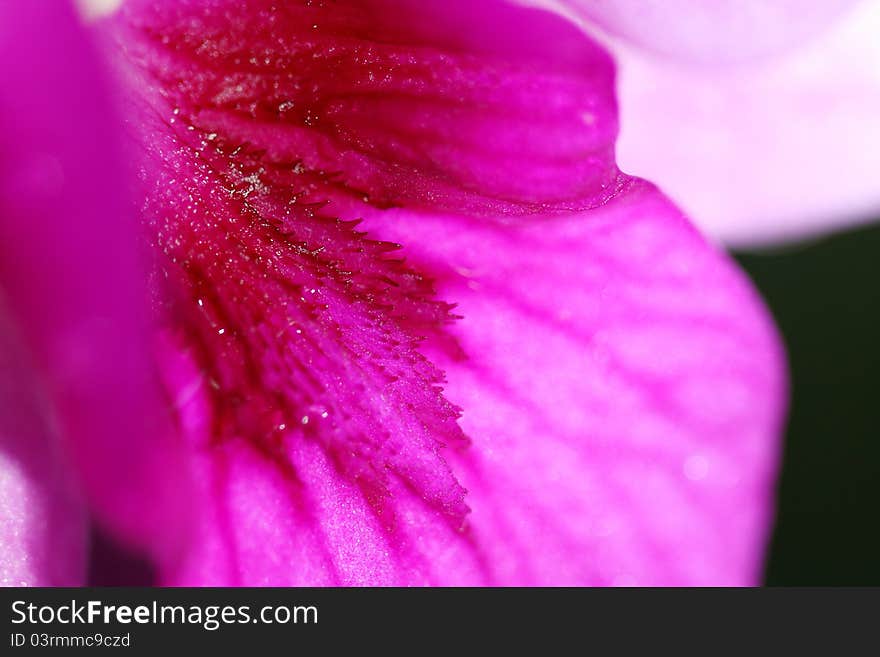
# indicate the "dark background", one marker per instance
pixel 826 300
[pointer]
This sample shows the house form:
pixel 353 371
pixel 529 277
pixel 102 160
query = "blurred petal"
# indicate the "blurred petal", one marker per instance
pixel 70 268
pixel 760 119
pixel 42 522
pixel 708 31
pixel 784 148
pixel 93 9
pixel 295 345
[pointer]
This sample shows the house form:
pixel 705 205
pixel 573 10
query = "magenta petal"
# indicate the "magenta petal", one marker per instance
pixel 620 384
pixel 623 387
pixel 293 516
pixel 71 271
pixel 260 528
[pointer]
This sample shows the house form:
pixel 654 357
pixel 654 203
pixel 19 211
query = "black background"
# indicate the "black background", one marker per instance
pixel 826 302
pixel 530 621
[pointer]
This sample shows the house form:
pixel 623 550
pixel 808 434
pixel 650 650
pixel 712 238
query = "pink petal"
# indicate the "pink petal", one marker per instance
pixel 42 523
pixel 295 345
pixel 623 388
pixel 710 31
pixel 71 270
pixel 781 147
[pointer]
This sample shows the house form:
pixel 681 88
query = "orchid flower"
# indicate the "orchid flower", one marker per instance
pixel 376 306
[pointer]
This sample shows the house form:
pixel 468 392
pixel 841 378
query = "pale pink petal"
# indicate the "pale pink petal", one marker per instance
pixel 709 31
pixel 71 270
pixel 42 522
pixel 94 9
pixel 785 148
pixel 295 345
pixel 758 118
